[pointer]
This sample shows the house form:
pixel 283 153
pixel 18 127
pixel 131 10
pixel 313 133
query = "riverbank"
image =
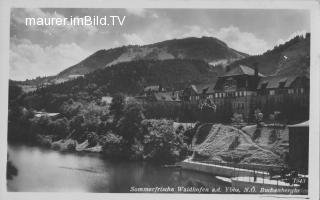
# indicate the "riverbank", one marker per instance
pixel 68 145
pixel 160 141
pixel 220 170
pixel 92 172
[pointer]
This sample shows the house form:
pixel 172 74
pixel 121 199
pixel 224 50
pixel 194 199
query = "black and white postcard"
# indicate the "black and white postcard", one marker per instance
pixel 188 99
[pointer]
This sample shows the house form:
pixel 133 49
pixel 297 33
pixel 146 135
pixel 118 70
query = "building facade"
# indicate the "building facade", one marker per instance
pixel 244 89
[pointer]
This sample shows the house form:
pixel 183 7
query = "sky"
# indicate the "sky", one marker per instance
pixel 47 50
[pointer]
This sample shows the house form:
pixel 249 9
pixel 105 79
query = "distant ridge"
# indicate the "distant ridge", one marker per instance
pixel 208 49
pixel 113 67
pixel 289 58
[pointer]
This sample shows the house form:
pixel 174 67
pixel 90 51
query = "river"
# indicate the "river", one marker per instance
pixel 46 170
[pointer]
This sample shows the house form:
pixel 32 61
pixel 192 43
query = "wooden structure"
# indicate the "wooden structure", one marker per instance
pixel 299 147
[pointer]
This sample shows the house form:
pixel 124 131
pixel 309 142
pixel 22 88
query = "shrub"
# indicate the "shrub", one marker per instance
pixel 129 125
pixel 59 127
pixel 161 144
pixel 189 133
pixel 234 143
pixel 111 145
pixel 273 136
pixel 71 147
pixel 92 139
pixel 117 105
pixel 256 134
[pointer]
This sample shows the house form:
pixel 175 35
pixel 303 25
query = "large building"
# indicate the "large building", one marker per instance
pixel 245 89
pixel 156 93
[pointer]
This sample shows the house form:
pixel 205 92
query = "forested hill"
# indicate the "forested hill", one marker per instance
pixel 291 57
pixel 208 49
pixel 131 77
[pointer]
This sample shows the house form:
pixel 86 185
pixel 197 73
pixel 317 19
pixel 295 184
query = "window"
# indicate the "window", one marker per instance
pixel 236 94
pixel 240 94
pixel 290 91
pixel 272 92
pixel 282 84
pixel 229 83
pixel 217 95
pixel 301 90
pixel 244 93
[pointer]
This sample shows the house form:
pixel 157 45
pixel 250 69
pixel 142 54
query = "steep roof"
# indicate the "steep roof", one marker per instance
pixel 274 81
pixel 241 70
pixel 195 88
pixel 167 96
pixel 201 88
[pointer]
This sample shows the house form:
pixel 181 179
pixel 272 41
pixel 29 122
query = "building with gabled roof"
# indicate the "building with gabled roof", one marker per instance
pixel 153 88
pixel 241 70
pixel 237 87
pixel 196 92
pixel 245 89
pixel 290 84
pixel 239 78
pixel 173 96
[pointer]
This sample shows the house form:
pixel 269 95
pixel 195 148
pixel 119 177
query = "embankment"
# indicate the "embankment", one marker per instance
pixel 250 145
pixel 220 170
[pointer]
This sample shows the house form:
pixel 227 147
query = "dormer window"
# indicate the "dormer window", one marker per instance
pixel 264 86
pixel 272 92
pixel 204 91
pixel 229 83
pixel 282 84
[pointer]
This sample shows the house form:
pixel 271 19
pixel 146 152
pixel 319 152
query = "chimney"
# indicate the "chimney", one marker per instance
pixel 228 68
pixel 160 88
pixel 256 69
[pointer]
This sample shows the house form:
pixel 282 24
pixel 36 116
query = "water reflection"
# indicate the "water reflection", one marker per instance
pixel 51 171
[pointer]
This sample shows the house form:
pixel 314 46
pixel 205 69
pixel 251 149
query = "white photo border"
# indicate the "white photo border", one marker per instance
pixel 311 5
